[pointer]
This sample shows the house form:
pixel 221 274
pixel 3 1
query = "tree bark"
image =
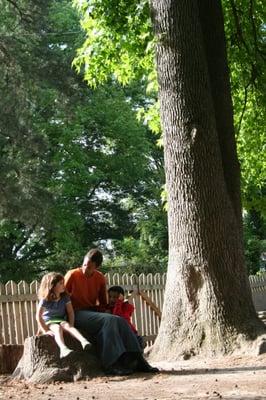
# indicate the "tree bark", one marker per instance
pixel 208 304
pixel 212 26
pixel 40 362
pixel 10 354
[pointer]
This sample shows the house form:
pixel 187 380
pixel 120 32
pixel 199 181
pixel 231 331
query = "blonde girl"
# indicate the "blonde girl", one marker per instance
pixel 55 312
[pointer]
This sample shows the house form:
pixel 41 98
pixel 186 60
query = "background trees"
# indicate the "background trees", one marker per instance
pixel 77 167
pixel 73 156
pixel 24 200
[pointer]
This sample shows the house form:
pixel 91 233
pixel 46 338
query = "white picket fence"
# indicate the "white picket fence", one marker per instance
pixel 258 287
pixel 18 304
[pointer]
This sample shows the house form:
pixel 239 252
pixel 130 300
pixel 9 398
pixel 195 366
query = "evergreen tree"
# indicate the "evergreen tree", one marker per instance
pixel 72 157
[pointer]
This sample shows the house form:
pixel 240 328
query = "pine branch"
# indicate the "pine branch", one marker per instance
pixel 24 16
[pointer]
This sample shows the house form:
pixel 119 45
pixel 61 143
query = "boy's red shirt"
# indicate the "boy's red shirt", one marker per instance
pixel 123 309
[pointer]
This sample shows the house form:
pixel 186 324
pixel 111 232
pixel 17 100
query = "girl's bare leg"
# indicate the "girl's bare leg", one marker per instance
pixel 74 332
pixel 57 329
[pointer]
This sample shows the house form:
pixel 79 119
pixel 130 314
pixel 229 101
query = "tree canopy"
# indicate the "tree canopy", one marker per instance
pixel 76 162
pixel 120 43
pixel 79 164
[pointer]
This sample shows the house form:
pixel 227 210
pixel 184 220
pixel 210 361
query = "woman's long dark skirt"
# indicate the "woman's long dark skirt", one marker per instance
pixel 113 334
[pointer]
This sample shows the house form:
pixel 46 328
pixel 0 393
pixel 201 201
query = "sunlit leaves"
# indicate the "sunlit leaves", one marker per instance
pixel 244 24
pixel 118 41
pixel 120 44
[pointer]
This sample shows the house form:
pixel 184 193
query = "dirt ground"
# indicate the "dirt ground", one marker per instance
pixel 226 378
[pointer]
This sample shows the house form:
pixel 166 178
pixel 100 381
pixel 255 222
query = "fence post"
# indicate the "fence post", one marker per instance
pixel 134 280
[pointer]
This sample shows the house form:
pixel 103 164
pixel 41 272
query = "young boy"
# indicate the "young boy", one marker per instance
pixel 119 306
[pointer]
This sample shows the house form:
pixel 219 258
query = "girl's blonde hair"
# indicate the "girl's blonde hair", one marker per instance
pixel 48 282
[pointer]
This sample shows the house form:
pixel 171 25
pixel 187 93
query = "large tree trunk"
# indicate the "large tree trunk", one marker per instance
pixel 40 362
pixel 212 25
pixel 208 304
pixel 10 354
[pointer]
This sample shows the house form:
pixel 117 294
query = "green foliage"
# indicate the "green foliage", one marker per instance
pixel 254 240
pixel 121 46
pixel 134 257
pixel 245 31
pixel 119 40
pixel 23 150
pixel 147 250
pixel 101 142
pixel 79 165
pixel 24 158
pixel 76 163
pixel 251 149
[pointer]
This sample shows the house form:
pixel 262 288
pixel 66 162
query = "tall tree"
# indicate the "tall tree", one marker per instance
pixel 204 309
pixel 119 32
pixel 212 26
pixel 25 199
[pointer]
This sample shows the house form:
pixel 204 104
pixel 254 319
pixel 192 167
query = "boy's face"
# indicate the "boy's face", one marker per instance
pixel 113 296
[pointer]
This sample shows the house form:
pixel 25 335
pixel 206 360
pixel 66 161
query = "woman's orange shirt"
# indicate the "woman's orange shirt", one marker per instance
pixel 86 291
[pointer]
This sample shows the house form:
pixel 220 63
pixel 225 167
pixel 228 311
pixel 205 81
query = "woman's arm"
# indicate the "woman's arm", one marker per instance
pixel 68 282
pixel 70 313
pixel 102 296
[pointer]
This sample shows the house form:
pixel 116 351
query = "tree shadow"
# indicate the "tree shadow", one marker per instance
pixel 204 371
pixel 192 371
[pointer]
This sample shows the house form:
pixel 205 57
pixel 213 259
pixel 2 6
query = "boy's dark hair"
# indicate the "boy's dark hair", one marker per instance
pixel 96 256
pixel 116 289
